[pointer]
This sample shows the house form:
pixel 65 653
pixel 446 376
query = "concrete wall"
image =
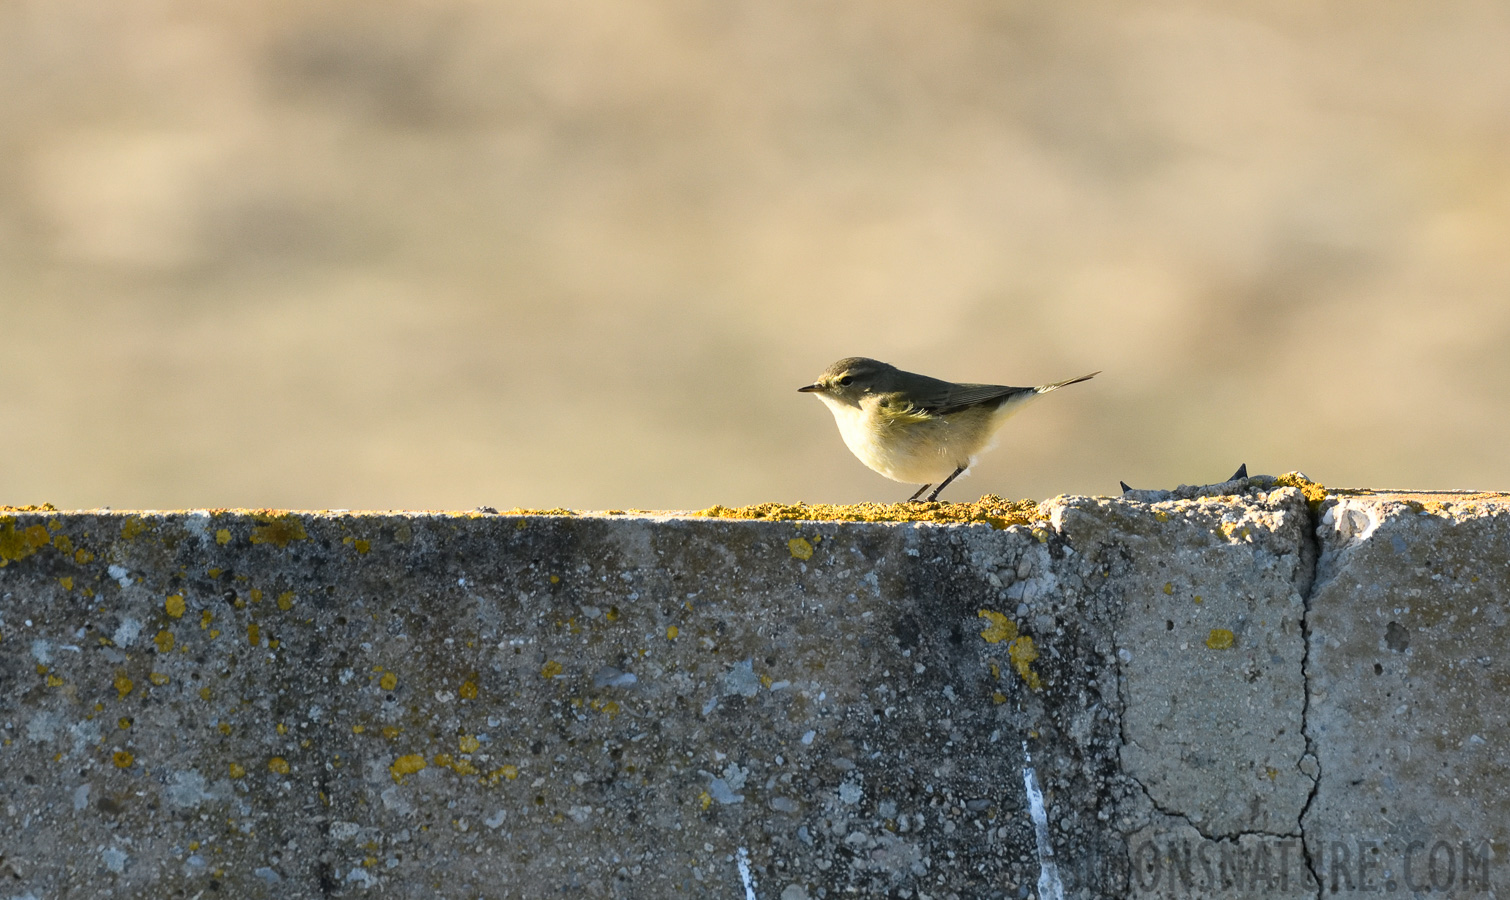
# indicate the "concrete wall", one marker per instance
pixel 1227 691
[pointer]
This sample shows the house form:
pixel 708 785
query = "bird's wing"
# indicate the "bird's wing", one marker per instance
pixel 946 397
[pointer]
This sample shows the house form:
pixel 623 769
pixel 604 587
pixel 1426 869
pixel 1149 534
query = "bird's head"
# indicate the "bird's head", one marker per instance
pixel 849 380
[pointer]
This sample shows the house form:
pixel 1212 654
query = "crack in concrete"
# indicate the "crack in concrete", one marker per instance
pixel 1308 575
pixel 1311 546
pixel 1205 835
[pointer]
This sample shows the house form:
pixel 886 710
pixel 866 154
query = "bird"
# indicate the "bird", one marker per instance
pixel 915 429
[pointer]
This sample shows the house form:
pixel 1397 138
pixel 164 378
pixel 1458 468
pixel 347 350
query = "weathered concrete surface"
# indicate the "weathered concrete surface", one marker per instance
pixel 422 705
pixel 1410 697
pixel 1210 592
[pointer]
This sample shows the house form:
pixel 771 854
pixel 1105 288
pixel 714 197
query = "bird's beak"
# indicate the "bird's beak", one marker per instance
pixel 810 388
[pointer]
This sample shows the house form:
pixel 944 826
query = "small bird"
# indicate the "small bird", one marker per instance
pixel 915 429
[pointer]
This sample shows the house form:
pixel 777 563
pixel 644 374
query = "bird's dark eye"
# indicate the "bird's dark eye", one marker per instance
pixel 846 380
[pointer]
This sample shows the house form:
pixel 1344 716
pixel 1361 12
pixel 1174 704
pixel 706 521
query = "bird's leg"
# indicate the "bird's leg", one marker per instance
pixel 934 496
pixel 914 497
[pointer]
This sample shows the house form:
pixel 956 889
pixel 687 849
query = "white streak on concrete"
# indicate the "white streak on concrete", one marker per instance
pixel 744 874
pixel 1049 886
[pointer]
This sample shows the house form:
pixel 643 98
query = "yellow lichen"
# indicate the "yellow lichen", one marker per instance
pixel 467 691
pixel 66 582
pixel 1220 639
pixel 286 600
pixel 362 546
pixel 278 530
pixel 389 681
pixel 520 511
pixel 671 632
pixel 237 770
pixel 406 765
pixel 1234 531
pixel 1023 652
pixel 123 683
pixel 253 634
pixel 122 759
pixel 459 766
pixel 223 536
pixel 989 509
pixel 468 743
pixel 800 548
pixel 550 670
pixel 132 527
pixel 174 605
pixel 1000 628
pixel 164 641
pixel 17 544
pixel 1315 492
pixel 278 765
pixel 158 679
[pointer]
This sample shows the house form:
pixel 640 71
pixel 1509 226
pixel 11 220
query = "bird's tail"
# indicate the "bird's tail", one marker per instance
pixel 1045 388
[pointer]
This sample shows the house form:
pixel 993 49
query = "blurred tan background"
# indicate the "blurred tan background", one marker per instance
pixel 442 253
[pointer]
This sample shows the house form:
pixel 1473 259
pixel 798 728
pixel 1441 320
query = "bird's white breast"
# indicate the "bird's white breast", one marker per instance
pixel 911 451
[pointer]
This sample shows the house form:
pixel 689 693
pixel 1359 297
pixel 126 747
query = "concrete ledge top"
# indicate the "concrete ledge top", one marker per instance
pixel 988 510
pixel 1083 697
